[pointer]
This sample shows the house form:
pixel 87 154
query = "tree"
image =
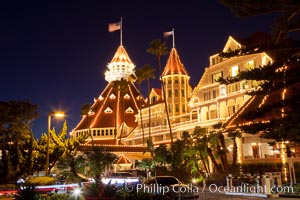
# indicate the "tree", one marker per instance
pixel 147 164
pixel 140 77
pixel 97 159
pixel 122 87
pixel 17 139
pixel 196 154
pixel 159 49
pixel 278 77
pixel 69 147
pixel 55 150
pixel 212 145
pixel 161 155
pixel 148 73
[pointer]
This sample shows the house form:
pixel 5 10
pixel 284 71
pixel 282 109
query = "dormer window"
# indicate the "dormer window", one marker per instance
pixel 108 110
pixel 249 65
pixel 216 76
pixel 112 96
pixel 126 96
pixel 129 110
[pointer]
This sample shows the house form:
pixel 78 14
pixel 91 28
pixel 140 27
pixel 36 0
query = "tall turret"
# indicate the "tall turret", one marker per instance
pixel 120 66
pixel 177 86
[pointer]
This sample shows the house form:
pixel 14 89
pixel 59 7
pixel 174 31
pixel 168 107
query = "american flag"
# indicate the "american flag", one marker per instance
pixel 114 26
pixel 166 34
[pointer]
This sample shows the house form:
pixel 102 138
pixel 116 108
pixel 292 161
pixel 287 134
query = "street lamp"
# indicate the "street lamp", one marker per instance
pixel 55 114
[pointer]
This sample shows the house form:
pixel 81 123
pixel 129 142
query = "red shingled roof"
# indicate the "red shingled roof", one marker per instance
pixel 118 105
pixel 121 56
pixel 174 65
pixel 255 102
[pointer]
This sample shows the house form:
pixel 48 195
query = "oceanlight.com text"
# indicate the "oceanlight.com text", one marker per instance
pixel 213 188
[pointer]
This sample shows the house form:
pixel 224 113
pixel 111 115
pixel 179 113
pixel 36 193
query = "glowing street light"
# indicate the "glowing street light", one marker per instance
pixel 54 114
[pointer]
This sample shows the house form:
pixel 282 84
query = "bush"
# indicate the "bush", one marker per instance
pixel 41 180
pixel 59 197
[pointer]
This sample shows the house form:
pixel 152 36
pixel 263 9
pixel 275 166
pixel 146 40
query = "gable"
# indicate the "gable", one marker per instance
pixel 231 44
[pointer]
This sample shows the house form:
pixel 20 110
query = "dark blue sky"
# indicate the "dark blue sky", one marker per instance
pixel 54 53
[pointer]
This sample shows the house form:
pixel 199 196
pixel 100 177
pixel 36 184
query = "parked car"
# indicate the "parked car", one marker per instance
pixel 170 187
pixel 120 178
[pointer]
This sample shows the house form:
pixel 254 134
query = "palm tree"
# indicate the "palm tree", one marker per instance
pixel 148 73
pixel 122 88
pixel 140 78
pixel 159 49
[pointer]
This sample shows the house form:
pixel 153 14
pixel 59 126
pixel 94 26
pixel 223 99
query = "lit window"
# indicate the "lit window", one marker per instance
pixel 222 90
pixel 176 93
pixel 112 96
pixel 169 93
pixel 126 96
pixel 176 108
pixel 216 76
pixel 234 70
pixel 231 110
pixel 129 110
pixel 249 65
pixel 176 80
pixel 108 110
pixel 206 96
pixel 233 87
pixel 214 94
pixel 213 114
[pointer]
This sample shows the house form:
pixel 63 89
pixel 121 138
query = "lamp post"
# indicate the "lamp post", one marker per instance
pixel 55 114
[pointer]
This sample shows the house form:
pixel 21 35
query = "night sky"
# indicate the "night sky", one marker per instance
pixel 54 53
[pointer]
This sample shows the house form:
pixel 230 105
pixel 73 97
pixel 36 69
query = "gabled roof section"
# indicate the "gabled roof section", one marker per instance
pixel 255 102
pixel 106 109
pixel 231 44
pixel 157 91
pixel 123 160
pixel 174 65
pixel 121 56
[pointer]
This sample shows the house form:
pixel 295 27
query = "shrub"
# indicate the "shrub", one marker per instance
pixel 41 180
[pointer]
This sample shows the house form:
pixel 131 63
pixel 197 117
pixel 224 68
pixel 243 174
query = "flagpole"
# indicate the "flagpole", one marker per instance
pixel 173 38
pixel 121 27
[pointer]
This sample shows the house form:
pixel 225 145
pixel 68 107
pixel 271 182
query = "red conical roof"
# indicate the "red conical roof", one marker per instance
pixel 121 56
pixel 174 65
